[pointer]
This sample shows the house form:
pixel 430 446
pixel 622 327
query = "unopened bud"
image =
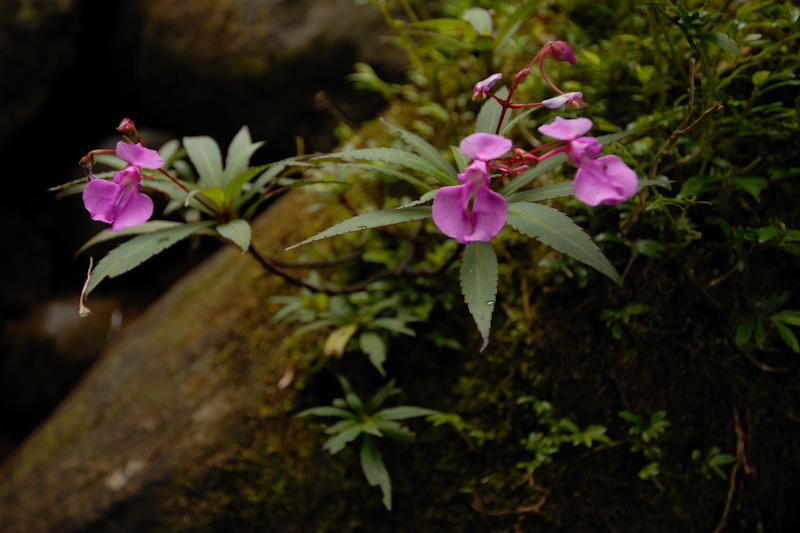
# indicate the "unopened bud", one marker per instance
pixel 521 76
pixel 561 51
pixel 126 126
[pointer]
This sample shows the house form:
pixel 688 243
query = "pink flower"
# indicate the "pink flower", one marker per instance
pixel 486 216
pixel 482 87
pixel 606 179
pixel 120 203
pixel 566 98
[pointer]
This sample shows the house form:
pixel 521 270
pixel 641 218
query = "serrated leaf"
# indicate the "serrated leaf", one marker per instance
pixel 489 115
pixel 204 153
pixel 403 413
pixel 788 336
pixel 327 410
pixel 396 431
pixel 235 185
pixel 398 157
pixel 374 219
pixel 337 443
pixel 423 148
pixel 557 230
pixel 479 285
pixel 146 227
pixel 238 231
pixel 752 186
pixel 136 251
pixel 612 137
pixel 721 40
pixel 531 174
pixel 373 346
pixel 427 197
pixel 548 192
pixel 387 171
pixel 375 471
pixel 788 317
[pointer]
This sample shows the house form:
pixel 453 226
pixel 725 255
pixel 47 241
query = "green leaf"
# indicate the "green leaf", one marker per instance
pixel 480 20
pixel 479 285
pixel 396 431
pixel 146 227
pixel 760 334
pixel 651 470
pixel 744 332
pixel 516 120
pixel 788 317
pixel 327 410
pixel 374 219
pixel 206 157
pixel 788 336
pixel 424 149
pixel 393 324
pixel 136 251
pixel 612 137
pixel 235 185
pixel 555 190
pixel 396 157
pixel 240 151
pixel 556 229
pixel 489 115
pixel 238 231
pixel 403 413
pixel 512 23
pixel 531 174
pixel 372 344
pixel 720 40
pixel 752 186
pixel 427 197
pixel 387 171
pixel 375 471
pixel 380 396
pixel 337 443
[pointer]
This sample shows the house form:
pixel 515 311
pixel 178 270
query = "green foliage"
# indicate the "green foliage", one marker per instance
pixel 712 462
pixel 645 434
pixel 365 421
pixel 766 312
pixel 479 285
pixel 544 444
pixel 364 320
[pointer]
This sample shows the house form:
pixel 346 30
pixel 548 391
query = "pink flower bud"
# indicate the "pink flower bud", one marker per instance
pixel 561 51
pixel 126 126
pixel 520 76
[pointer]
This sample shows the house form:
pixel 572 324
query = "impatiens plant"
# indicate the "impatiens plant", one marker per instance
pixel 495 185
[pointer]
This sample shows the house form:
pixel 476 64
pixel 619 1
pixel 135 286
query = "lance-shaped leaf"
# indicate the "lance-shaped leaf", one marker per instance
pixel 489 115
pixel 136 251
pixel 374 470
pixel 146 227
pixel 479 285
pixel 206 157
pixel 556 229
pixel 424 148
pixel 372 344
pixel 397 157
pixel 555 190
pixel 374 219
pixel 387 171
pixel 531 174
pixel 237 231
pixel 239 153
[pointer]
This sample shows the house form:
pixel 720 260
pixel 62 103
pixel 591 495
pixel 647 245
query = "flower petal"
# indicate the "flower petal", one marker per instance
pixel 566 129
pixel 583 149
pixel 485 146
pixel 100 198
pixel 489 212
pixel 566 98
pixel 607 179
pixel 134 209
pixel 450 211
pixel 484 85
pixel 139 156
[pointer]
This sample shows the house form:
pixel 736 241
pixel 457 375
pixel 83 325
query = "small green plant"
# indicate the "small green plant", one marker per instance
pixel 614 318
pixel 645 434
pixel 544 444
pixel 712 462
pixel 362 320
pixel 766 311
pixel 364 421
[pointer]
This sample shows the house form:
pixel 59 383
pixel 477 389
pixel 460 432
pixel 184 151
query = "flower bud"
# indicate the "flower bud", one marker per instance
pixel 561 51
pixel 520 76
pixel 126 126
